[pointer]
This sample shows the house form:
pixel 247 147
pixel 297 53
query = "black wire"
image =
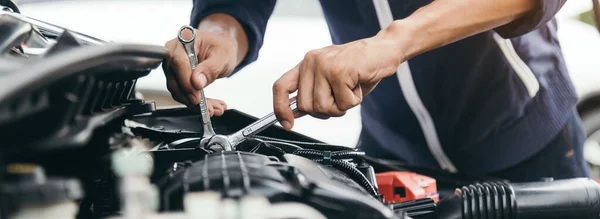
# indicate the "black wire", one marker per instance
pixel 348 154
pixel 309 153
pixel 353 173
pixel 289 145
pixel 307 145
pixel 279 150
pixel 263 144
pixel 257 147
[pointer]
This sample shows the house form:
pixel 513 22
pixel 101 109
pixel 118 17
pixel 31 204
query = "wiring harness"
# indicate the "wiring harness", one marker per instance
pixel 330 155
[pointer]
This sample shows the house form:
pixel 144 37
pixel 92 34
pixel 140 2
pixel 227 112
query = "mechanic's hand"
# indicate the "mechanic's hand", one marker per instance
pixel 334 79
pixel 216 59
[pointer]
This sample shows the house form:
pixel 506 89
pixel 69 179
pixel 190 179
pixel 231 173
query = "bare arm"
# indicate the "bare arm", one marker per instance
pixel 446 21
pixel 227 26
pixel 331 80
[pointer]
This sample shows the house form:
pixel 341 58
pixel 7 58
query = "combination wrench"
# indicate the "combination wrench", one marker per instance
pixel 188 44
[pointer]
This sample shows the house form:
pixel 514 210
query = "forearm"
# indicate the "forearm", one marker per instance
pixel 227 26
pixel 446 21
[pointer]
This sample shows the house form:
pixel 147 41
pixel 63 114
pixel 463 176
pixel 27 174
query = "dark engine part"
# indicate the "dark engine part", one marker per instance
pixel 235 174
pixel 571 198
pixel 9 5
pixel 27 191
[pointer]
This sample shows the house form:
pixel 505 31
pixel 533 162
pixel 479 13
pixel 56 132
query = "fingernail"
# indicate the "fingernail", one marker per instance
pixel 202 79
pixel 286 125
pixel 193 98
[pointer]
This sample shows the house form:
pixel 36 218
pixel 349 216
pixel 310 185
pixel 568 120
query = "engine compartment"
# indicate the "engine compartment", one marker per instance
pixel 78 143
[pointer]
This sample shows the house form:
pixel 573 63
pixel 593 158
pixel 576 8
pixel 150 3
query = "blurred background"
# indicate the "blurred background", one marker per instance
pixel 296 27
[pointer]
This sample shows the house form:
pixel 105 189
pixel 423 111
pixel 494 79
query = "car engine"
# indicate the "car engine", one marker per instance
pixel 77 142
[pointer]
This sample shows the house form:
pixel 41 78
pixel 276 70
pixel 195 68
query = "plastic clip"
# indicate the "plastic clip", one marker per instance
pixel 327 158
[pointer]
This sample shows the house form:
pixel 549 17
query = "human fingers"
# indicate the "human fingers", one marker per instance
pixel 346 89
pixel 182 72
pixel 176 93
pixel 218 106
pixel 282 88
pixel 306 83
pixel 323 101
pixel 172 85
pixel 209 70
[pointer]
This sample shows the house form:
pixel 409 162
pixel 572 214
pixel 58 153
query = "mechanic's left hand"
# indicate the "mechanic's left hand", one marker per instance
pixel 334 79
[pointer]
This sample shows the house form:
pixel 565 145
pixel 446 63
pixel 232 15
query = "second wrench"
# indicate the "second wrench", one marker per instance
pixel 230 142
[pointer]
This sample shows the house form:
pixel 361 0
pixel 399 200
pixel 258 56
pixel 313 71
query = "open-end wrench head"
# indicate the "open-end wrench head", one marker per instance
pixel 186 34
pixel 218 141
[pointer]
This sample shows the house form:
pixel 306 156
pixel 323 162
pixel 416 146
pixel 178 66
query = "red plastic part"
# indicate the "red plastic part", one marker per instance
pixel 399 186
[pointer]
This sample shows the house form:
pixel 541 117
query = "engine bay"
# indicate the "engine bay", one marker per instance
pixel 78 143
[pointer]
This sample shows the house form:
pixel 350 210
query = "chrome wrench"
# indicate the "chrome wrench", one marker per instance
pixel 188 45
pixel 230 142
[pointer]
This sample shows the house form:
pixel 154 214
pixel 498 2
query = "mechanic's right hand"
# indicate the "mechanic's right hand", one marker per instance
pixel 216 59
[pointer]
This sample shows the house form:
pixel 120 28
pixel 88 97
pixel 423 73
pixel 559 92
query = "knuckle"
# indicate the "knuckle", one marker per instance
pixel 278 110
pixel 336 70
pixel 222 103
pixel 278 86
pixel 344 105
pixel 212 68
pixel 338 113
pixel 304 107
pixel 169 44
pixel 312 54
pixel 319 107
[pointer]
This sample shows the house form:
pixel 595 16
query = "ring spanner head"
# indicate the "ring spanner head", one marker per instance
pixel 187 36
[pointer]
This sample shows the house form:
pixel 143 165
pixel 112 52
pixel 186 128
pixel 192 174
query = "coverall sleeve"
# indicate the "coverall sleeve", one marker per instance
pixel 532 21
pixel 252 15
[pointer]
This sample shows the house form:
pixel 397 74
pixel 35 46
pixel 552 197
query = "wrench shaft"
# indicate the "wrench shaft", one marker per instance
pixel 256 127
pixel 191 52
pixel 206 123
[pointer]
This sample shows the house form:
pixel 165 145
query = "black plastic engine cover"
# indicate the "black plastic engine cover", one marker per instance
pixel 235 174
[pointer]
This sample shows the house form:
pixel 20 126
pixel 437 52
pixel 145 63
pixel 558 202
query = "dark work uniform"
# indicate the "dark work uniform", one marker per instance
pixel 497 103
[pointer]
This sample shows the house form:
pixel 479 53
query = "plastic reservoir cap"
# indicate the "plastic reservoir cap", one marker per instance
pixel 400 186
pixel 25 172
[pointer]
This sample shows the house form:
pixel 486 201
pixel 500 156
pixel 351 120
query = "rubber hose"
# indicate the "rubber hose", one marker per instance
pixel 568 198
pixel 353 173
